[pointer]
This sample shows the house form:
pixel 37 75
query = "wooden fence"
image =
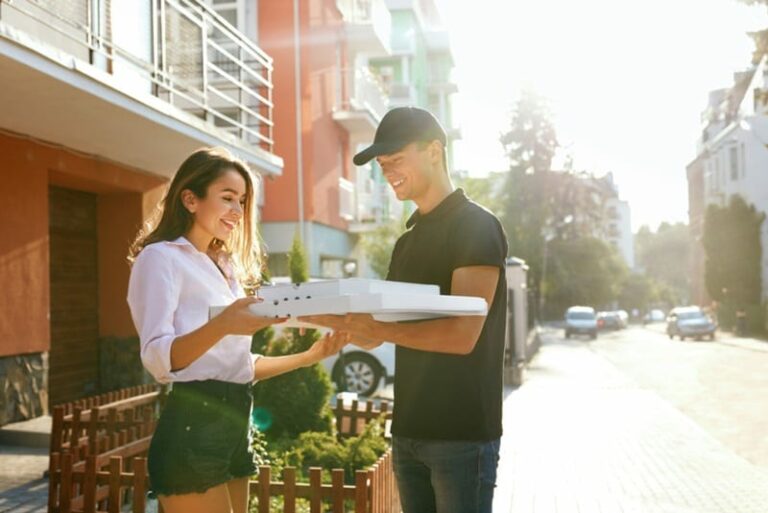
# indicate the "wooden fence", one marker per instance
pixel 374 490
pixel 98 461
pixel 351 420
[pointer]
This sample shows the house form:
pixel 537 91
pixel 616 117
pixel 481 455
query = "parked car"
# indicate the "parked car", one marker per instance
pixel 609 321
pixel 580 320
pixel 654 315
pixel 624 316
pixel 690 322
pixel 360 371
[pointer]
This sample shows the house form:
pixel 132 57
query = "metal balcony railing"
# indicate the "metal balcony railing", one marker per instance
pixel 361 89
pixel 368 12
pixel 178 50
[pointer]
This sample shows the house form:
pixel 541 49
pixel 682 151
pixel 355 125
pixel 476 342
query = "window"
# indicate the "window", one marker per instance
pixel 734 161
pixel 743 161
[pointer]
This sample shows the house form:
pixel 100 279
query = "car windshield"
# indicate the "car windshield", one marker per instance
pixel 581 316
pixel 688 316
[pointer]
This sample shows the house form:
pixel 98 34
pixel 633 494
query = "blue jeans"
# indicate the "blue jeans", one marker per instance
pixel 436 476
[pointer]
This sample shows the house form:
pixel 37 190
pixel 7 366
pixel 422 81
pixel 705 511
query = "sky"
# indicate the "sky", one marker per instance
pixel 626 81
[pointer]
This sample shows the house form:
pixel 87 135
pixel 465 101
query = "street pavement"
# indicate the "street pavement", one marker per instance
pixel 582 435
pixel 629 423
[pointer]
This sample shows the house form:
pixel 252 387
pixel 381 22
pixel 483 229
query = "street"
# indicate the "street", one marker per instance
pixel 722 386
pixel 634 422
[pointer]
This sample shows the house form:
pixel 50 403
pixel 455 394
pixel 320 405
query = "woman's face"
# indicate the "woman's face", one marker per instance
pixel 219 213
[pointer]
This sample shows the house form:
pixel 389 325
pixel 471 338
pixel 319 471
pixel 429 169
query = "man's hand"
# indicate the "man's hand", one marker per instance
pixel 360 326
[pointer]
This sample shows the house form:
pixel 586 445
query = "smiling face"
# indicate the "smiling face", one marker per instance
pixel 411 170
pixel 218 213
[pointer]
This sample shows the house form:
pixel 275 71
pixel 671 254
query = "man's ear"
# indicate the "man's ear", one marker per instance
pixel 436 152
pixel 189 200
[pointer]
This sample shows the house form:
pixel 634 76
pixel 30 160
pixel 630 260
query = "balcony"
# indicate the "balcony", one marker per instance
pixel 362 103
pixel 346 199
pixel 367 25
pixel 402 95
pixel 375 206
pixel 138 83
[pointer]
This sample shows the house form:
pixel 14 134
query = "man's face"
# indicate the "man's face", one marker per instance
pixel 408 171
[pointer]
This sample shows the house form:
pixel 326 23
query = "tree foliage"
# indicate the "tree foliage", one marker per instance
pixel 298 267
pixel 732 266
pixel 581 271
pixel 664 256
pixel 531 141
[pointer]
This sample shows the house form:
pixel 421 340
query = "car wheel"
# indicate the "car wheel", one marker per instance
pixel 671 336
pixel 698 339
pixel 567 334
pixel 594 335
pixel 361 373
pixel 711 336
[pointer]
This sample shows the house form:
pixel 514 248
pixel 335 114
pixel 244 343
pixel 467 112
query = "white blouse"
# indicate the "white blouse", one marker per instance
pixel 172 285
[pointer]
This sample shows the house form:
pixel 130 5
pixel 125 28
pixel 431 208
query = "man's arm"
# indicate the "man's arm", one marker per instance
pixel 452 335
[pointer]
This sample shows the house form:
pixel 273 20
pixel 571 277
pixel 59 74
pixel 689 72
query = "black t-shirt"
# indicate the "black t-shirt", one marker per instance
pixel 440 396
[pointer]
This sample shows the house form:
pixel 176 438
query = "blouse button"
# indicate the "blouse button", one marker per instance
pixel 205 403
pixel 188 428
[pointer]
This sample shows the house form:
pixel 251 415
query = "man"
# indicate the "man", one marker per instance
pixel 448 387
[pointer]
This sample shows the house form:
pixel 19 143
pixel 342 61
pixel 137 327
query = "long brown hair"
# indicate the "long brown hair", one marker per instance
pixel 171 220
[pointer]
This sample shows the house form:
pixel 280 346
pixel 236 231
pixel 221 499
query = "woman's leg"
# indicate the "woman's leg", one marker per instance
pixel 213 500
pixel 238 494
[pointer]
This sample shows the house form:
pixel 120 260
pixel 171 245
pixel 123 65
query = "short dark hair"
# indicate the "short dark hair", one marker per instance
pixel 422 145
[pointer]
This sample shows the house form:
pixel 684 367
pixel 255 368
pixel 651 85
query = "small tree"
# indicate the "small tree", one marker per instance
pixel 298 267
pixel 295 402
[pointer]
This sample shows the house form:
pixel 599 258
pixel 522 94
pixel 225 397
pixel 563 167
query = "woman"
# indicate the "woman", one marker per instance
pixel 204 251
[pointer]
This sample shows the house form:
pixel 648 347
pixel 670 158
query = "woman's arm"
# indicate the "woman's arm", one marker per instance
pixel 236 319
pixel 270 366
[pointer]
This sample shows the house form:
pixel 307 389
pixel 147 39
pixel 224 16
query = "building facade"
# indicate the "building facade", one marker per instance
pixel 100 102
pixel 731 159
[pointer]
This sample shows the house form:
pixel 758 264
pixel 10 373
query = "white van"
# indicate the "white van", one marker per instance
pixel 581 320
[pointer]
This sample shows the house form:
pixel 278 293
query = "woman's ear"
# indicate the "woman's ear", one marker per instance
pixel 189 200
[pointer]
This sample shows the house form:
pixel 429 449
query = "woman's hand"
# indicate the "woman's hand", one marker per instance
pixel 237 319
pixel 328 345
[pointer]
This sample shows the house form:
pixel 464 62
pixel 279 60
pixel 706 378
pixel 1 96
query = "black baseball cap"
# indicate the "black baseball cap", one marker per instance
pixel 400 127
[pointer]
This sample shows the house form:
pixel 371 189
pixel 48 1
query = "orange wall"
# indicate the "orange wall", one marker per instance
pixel 24 299
pixel 26 171
pixel 324 142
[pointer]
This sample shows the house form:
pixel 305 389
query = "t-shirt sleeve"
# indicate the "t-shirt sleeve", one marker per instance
pixel 479 239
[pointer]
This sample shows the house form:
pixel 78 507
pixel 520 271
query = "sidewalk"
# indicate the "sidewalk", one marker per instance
pixel 581 437
pixel 22 487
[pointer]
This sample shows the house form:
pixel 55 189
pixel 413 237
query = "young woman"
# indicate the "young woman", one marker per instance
pixel 202 252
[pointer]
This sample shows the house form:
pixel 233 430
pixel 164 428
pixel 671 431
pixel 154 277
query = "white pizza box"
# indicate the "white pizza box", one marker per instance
pixel 349 286
pixel 386 307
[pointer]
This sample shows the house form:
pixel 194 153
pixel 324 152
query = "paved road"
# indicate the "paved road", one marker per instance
pixel 583 435
pixel 722 386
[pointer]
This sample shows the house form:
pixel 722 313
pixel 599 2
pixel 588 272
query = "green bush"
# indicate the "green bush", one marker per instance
pixel 297 401
pixel 756 317
pixel 325 450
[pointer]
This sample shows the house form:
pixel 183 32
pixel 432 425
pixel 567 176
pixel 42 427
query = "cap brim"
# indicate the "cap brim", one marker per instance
pixel 376 150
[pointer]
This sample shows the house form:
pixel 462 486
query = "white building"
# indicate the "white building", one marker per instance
pixel 619 229
pixel 732 153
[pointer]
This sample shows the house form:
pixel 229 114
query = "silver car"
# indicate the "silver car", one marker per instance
pixel 581 320
pixel 360 371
